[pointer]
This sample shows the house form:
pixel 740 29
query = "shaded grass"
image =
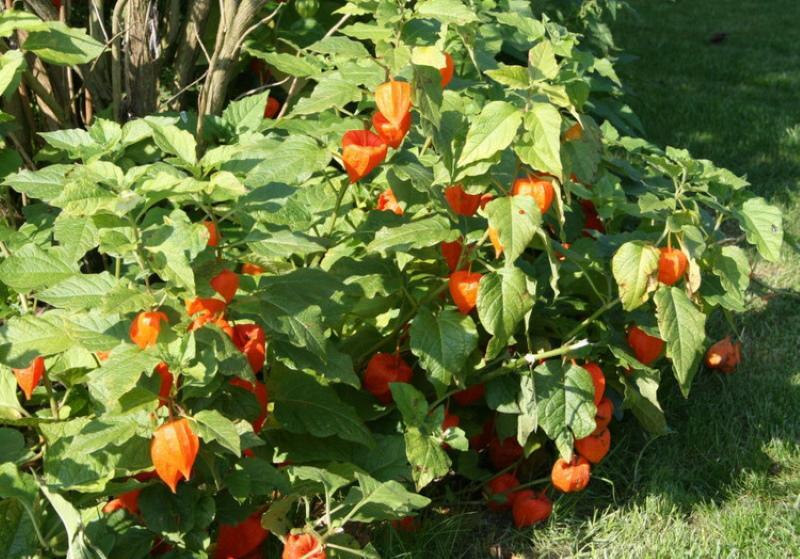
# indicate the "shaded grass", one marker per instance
pixel 726 482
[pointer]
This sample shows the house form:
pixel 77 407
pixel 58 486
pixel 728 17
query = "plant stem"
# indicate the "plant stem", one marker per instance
pixel 53 403
pixel 611 304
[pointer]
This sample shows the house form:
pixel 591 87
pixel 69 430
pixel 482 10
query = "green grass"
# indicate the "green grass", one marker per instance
pixel 726 482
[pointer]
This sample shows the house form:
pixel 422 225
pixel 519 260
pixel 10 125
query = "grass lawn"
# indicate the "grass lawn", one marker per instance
pixel 726 483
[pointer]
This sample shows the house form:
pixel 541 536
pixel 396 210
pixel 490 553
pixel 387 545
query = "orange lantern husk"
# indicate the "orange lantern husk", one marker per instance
pixel 362 151
pixel 30 377
pixel 393 99
pixel 173 449
pixel 389 132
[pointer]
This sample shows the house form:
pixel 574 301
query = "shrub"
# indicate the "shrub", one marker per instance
pixel 292 321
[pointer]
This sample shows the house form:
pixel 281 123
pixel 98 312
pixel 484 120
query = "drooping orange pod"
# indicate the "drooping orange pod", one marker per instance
pixel 128 501
pixel 724 355
pixel 362 151
pixel 251 269
pixel 494 237
pixel 387 202
pixel 272 107
pixel 672 265
pixel 251 340
pixel 451 253
pixel 470 395
pixel 213 233
pixel 389 132
pixel 530 508
pixel 645 347
pixel 223 325
pixel 303 546
pixel 383 369
pixel 575 132
pixel 538 188
pixel 393 99
pixel 461 202
pixel 591 219
pixel 598 379
pixel 162 370
pixel 504 453
pixel 406 524
pixel 605 411
pixel 447 70
pixel 570 477
pixel 500 491
pixel 173 450
pixel 237 541
pixel 464 287
pixel 30 377
pixel 259 390
pixel 145 328
pixel 204 310
pixel 226 283
pixel 594 447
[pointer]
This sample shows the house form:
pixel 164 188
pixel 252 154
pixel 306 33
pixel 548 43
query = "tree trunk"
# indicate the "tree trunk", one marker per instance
pixel 189 49
pixel 143 62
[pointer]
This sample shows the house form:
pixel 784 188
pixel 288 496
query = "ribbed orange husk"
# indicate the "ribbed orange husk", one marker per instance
pixel 272 107
pixel 389 132
pixel 724 355
pixel 383 369
pixel 30 377
pixel 146 327
pixel 205 310
pixel 387 202
pixel 362 151
pixel 530 508
pixel 303 546
pixel 464 287
pixel 598 379
pixel 461 202
pixel 251 340
pixel 594 447
pixel 162 370
pixel 575 132
pixel 452 253
pixel 237 541
pixel 671 265
pixel 645 347
pixel 447 70
pixel 226 283
pixel 605 412
pixel 213 234
pixel 570 477
pixel 539 189
pixel 252 269
pixel 393 99
pixel 173 450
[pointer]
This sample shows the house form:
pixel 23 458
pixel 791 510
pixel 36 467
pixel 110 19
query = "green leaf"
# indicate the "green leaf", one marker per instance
pixel 297 66
pixel 34 268
pixel 12 66
pixel 428 460
pixel 291 162
pixel 763 227
pixel 59 44
pixel 443 344
pixel 75 235
pixel 304 405
pixel 516 219
pixel 503 300
pixel 24 337
pixel 682 326
pixel 411 402
pixel 633 266
pixel 78 545
pixel 83 291
pixel 174 243
pixel 425 232
pixel 541 144
pixel 340 46
pixel 246 115
pixel 732 267
pixel 367 32
pixel 11 20
pixel 43 184
pixel 171 139
pixel 491 131
pixel 17 533
pixel 78 143
pixel 373 501
pixel 542 63
pixel 515 77
pixel 332 91
pixel 284 244
pixel 565 403
pixel 119 374
pixel 446 11
pixel 213 426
